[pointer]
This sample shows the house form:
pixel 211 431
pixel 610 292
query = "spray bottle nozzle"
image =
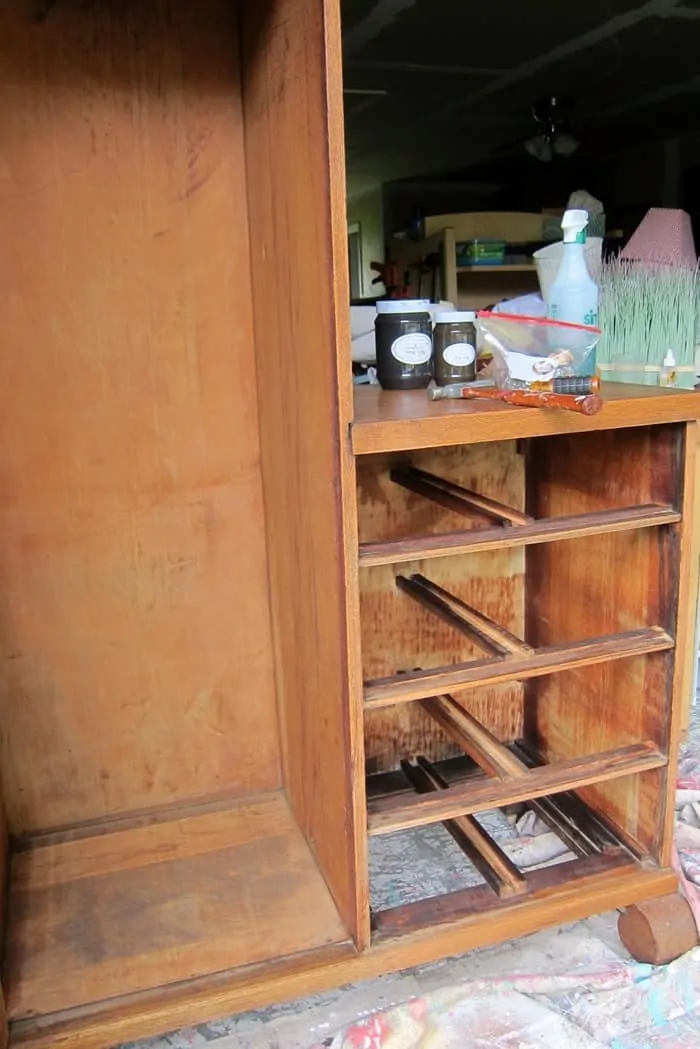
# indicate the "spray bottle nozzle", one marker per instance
pixel 574 224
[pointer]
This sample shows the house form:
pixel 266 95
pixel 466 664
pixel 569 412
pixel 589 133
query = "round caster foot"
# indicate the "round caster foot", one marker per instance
pixel 658 931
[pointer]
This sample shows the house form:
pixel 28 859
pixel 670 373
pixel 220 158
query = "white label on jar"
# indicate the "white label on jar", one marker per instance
pixel 412 349
pixel 459 354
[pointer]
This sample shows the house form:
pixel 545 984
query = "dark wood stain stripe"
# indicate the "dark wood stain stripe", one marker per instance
pixel 455 497
pixel 441 910
pixel 474 738
pixel 486 633
pixel 497 869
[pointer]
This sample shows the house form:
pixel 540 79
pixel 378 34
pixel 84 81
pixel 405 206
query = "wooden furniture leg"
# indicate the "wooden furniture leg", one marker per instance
pixel 660 930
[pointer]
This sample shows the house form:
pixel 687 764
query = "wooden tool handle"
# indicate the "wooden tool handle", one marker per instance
pixel 588 405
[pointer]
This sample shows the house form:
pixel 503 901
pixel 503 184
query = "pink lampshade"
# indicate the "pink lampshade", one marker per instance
pixel 664 236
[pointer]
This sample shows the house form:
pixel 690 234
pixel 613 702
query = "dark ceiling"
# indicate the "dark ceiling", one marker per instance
pixel 435 85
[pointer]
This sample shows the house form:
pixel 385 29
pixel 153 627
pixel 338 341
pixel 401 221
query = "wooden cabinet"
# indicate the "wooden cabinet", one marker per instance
pixel 205 648
pixel 551 565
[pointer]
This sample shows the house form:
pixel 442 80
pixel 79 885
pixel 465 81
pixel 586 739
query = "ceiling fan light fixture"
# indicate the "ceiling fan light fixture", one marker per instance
pixel 540 148
pixel 565 144
pixel 555 137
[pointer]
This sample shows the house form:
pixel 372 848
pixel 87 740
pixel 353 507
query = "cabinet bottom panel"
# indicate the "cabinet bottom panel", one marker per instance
pixel 590 889
pixel 129 910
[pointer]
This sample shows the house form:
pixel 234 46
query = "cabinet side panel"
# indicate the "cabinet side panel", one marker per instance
pixel 134 619
pixel 683 547
pixel 687 685
pixel 294 142
pixel 4 915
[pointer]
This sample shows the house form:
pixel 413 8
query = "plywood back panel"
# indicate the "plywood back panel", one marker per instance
pixel 296 179
pixel 397 634
pixel 134 622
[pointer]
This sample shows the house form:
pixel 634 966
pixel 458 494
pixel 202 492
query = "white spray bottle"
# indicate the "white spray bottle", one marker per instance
pixel 573 296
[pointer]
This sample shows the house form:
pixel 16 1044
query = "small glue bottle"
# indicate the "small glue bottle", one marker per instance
pixel 668 375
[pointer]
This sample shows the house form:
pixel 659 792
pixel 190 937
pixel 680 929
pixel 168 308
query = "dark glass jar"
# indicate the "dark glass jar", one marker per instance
pixel 454 347
pixel 404 338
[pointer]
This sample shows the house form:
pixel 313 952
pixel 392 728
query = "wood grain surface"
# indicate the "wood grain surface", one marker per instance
pixel 658 931
pixel 4 894
pixel 576 526
pixel 133 910
pixel 686 686
pixel 296 202
pixel 680 569
pixel 608 581
pixel 391 421
pixel 258 986
pixel 494 865
pixel 397 634
pixel 457 498
pixel 486 634
pixel 390 814
pixel 475 740
pixel 421 684
pixel 135 625
pixel 441 910
pixel 180 519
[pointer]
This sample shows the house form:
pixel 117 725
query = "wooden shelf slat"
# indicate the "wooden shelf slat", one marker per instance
pixel 455 497
pixel 497 869
pixel 480 628
pixel 422 684
pixel 396 421
pixel 387 815
pixel 475 740
pixel 553 530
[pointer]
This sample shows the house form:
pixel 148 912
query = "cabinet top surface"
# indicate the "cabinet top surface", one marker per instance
pixel 387 421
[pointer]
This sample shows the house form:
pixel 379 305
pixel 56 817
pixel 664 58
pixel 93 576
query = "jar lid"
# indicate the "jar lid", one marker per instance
pixel 403 306
pixel 455 316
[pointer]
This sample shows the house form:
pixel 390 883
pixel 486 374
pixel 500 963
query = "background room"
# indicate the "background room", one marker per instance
pixel 464 109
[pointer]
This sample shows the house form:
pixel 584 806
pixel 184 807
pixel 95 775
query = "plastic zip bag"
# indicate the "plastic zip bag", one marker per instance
pixel 527 351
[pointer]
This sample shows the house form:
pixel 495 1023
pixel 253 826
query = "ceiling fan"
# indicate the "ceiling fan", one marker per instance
pixel 554 137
